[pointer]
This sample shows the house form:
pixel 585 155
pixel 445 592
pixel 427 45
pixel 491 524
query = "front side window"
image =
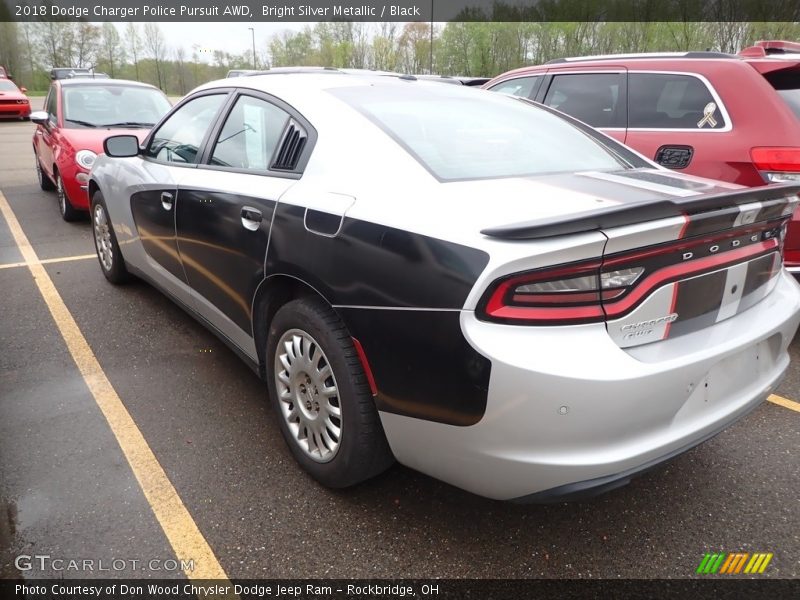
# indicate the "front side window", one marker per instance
pixel 471 134
pixel 250 135
pixel 51 105
pixel 521 86
pixel 593 98
pixel 667 101
pixel 179 137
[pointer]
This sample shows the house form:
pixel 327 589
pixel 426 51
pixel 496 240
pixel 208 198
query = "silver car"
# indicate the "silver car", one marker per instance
pixel 480 288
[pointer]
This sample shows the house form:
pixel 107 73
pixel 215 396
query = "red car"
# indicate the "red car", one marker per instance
pixel 14 104
pixel 79 115
pixel 722 116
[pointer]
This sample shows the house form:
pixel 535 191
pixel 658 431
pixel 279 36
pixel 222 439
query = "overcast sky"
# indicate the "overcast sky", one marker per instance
pixel 229 37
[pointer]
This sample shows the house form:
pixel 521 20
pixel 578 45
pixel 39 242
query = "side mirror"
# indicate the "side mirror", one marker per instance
pixel 39 117
pixel 121 146
pixel 24 90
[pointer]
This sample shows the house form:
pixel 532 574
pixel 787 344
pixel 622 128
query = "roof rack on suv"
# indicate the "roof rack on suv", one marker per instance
pixel 643 55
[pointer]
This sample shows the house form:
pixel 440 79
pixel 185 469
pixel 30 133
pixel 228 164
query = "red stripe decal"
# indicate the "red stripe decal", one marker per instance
pixel 672 306
pixel 365 364
pixel 686 269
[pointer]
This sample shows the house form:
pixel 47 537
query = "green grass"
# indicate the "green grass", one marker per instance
pixel 36 93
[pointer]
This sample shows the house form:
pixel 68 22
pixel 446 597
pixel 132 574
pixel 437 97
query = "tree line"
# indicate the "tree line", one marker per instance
pixel 140 51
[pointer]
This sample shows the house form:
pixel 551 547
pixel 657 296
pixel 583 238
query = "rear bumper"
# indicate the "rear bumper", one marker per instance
pixel 569 411
pixel 581 490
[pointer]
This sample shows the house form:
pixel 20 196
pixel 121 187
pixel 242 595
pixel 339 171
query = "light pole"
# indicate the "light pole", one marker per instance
pixel 253 33
pixel 430 68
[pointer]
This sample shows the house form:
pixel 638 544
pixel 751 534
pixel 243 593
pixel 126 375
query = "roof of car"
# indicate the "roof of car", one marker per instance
pixel 643 55
pixel 102 81
pixel 308 81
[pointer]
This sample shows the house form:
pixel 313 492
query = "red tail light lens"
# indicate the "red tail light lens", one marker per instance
pixel 561 295
pixel 777 164
pixel 591 291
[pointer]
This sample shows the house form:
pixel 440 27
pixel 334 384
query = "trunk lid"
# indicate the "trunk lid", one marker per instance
pixel 672 264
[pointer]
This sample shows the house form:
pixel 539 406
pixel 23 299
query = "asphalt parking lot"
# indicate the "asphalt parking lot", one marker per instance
pixel 228 487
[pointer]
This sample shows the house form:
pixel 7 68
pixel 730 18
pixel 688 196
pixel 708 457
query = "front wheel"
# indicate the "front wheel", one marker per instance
pixel 44 181
pixel 105 242
pixel 68 213
pixel 320 393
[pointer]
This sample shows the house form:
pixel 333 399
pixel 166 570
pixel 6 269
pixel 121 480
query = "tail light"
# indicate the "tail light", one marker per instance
pixel 777 164
pixel 569 294
pixel 611 287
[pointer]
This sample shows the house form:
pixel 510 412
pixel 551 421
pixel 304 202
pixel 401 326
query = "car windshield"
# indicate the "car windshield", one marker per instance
pixel 113 106
pixel 458 133
pixel 7 86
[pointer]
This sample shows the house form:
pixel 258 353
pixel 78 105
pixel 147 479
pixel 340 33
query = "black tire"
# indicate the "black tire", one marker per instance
pixel 112 263
pixel 44 181
pixel 362 450
pixel 68 213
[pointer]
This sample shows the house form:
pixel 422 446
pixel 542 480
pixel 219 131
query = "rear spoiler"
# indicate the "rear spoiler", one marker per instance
pixel 639 212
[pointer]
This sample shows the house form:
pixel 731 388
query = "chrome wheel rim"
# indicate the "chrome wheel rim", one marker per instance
pixel 62 197
pixel 308 395
pixel 102 238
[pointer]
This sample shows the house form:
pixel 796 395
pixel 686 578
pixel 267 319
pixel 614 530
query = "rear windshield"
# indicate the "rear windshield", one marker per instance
pixel 6 85
pixel 458 133
pixel 787 84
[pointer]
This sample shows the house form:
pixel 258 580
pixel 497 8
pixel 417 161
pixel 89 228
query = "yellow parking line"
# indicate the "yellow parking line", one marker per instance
pixel 48 261
pixel 785 402
pixel 178 525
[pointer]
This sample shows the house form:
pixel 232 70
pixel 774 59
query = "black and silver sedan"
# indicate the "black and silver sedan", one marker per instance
pixel 477 287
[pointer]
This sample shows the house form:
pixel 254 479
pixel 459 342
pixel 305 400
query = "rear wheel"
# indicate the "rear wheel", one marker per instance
pixel 64 206
pixel 320 393
pixel 105 242
pixel 44 181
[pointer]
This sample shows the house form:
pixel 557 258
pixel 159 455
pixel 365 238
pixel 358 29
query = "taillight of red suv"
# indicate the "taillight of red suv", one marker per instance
pixel 777 164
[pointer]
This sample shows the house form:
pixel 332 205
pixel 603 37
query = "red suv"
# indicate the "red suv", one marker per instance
pixel 722 116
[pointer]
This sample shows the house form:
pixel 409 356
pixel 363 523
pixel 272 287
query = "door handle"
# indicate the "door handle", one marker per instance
pixel 251 218
pixel 166 200
pixel 39 132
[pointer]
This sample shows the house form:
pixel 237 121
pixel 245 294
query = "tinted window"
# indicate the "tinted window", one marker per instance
pixel 457 133
pixel 521 86
pixel 664 101
pixel 6 85
pixel 250 135
pixel 787 84
pixel 591 97
pixel 178 139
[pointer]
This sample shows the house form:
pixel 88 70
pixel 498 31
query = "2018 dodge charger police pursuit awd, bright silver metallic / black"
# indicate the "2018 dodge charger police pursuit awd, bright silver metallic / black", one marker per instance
pixel 483 289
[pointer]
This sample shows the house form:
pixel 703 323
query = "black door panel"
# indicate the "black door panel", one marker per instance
pixel 223 243
pixel 155 224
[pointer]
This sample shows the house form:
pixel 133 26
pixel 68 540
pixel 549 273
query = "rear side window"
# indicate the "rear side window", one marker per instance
pixel 594 98
pixel 179 137
pixel 521 86
pixel 787 84
pixel 250 135
pixel 666 101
